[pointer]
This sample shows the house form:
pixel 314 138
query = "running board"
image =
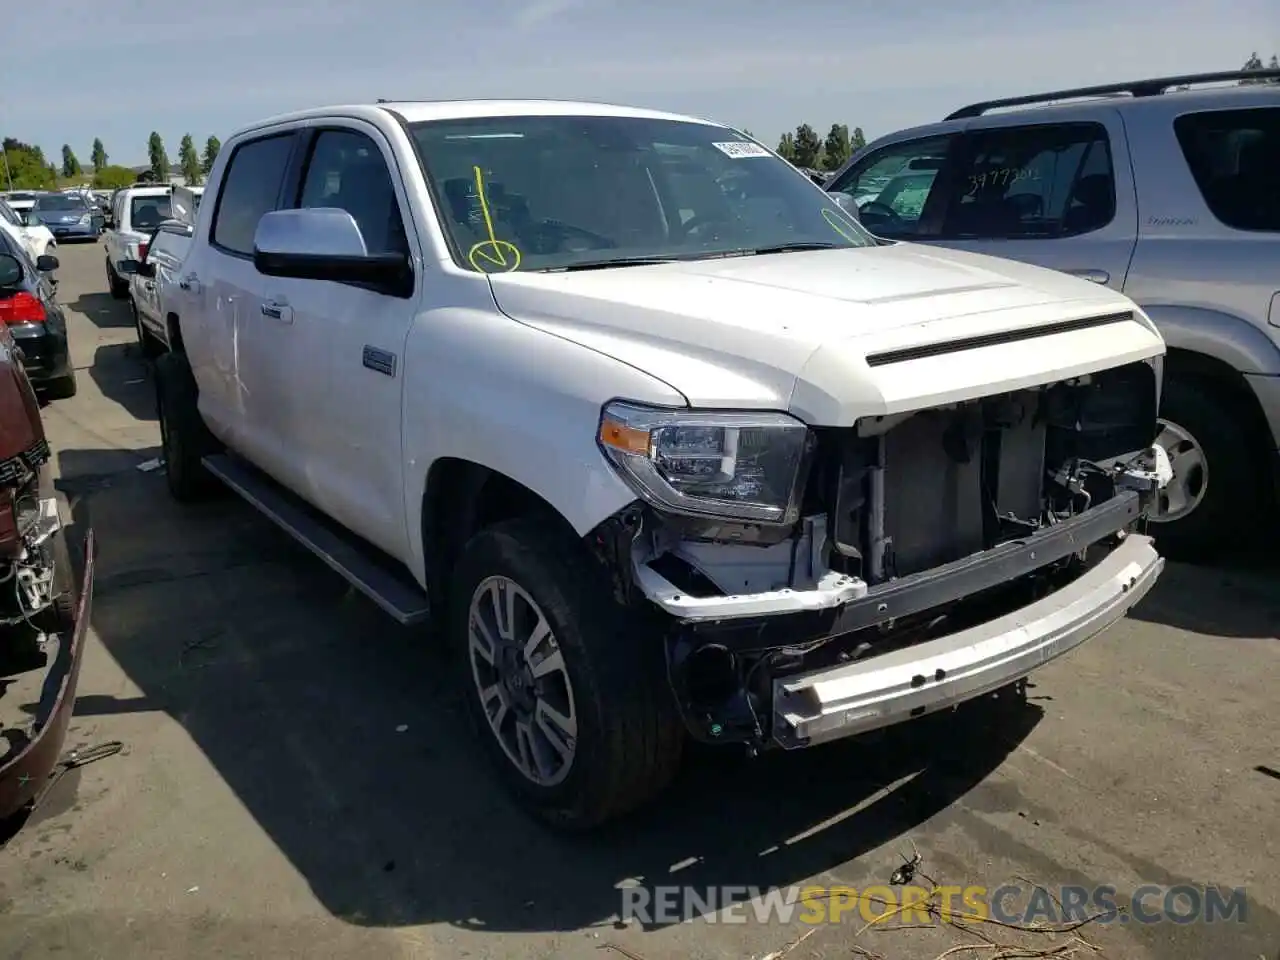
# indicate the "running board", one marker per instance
pixel 373 573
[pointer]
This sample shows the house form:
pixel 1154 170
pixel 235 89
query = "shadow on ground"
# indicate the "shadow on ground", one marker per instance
pixel 103 310
pixel 123 377
pixel 1241 602
pixel 342 735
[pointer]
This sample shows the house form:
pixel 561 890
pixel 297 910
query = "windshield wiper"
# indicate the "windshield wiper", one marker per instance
pixel 614 262
pixel 792 247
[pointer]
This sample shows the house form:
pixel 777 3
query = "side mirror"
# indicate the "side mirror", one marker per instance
pixel 325 243
pixel 846 203
pixel 10 270
pixel 46 263
pixel 135 268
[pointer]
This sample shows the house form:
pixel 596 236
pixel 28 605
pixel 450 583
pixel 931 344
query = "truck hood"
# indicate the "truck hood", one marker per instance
pixel 793 331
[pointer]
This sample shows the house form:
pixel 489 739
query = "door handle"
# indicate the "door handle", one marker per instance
pixel 190 282
pixel 277 310
pixel 1091 274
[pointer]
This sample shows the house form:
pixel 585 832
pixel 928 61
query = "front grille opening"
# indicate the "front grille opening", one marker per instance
pixel 945 483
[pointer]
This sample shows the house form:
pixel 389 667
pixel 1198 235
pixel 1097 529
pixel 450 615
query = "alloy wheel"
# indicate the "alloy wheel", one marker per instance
pixel 1190 480
pixel 522 682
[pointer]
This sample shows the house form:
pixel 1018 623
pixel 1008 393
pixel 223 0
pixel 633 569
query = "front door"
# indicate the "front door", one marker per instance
pixel 346 416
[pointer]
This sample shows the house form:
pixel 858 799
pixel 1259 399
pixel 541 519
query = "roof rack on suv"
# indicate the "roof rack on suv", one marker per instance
pixel 1136 88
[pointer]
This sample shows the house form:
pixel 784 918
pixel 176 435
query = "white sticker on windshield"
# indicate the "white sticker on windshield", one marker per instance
pixel 740 148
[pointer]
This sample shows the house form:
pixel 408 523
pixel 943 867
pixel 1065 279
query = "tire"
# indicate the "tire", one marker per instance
pixel 61 389
pixel 1229 493
pixel 151 347
pixel 184 438
pixel 628 738
pixel 119 288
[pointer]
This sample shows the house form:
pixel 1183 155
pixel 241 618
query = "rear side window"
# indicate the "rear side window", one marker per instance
pixel 1234 156
pixel 892 185
pixel 249 190
pixel 1035 182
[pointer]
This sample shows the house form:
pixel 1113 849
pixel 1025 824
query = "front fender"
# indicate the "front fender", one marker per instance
pixel 488 390
pixel 1222 336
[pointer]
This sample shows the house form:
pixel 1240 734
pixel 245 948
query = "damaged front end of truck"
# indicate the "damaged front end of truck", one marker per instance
pixel 865 575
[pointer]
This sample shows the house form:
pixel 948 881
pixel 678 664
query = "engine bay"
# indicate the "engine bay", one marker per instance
pixel 911 526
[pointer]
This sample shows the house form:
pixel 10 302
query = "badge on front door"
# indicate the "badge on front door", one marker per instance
pixel 380 360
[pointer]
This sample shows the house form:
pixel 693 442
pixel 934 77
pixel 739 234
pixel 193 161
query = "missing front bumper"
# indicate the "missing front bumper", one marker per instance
pixel 884 690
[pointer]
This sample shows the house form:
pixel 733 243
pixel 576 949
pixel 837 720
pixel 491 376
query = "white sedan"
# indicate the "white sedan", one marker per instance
pixel 36 239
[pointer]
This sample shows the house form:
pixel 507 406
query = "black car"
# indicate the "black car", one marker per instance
pixel 31 313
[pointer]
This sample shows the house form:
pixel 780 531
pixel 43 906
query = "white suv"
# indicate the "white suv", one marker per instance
pixel 136 213
pixel 668 444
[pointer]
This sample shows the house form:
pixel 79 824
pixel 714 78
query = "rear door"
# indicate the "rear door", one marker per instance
pixel 1058 195
pixel 242 392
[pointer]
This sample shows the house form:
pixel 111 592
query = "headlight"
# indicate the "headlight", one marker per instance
pixel 84 221
pixel 740 466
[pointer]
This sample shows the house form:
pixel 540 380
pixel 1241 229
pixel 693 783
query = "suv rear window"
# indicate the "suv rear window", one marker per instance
pixel 1234 156
pixel 146 213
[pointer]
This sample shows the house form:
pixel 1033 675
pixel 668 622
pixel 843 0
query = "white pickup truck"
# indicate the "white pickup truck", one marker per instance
pixel 666 444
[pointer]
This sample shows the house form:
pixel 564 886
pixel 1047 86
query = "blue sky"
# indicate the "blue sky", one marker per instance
pixel 118 70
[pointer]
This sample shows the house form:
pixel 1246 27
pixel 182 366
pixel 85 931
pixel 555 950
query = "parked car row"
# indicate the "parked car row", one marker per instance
pixel 72 214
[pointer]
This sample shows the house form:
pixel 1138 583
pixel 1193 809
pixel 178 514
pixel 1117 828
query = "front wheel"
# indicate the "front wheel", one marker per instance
pixel 1216 495
pixel 569 697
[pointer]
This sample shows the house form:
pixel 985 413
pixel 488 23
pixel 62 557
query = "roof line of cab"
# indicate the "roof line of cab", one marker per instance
pixel 403 110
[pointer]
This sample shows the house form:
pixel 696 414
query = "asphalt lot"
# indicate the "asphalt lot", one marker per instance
pixel 298 780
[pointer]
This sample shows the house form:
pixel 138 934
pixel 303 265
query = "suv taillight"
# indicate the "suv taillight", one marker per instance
pixel 143 247
pixel 22 307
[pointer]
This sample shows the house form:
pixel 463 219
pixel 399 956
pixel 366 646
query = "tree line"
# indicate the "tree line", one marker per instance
pixel 27 168
pixel 805 149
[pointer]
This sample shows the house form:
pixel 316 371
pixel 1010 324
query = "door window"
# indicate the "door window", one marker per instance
pixel 1043 181
pixel 346 170
pixel 1234 156
pixel 249 190
pixel 892 185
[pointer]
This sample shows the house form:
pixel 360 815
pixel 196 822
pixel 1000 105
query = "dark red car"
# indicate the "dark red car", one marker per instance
pixel 43 616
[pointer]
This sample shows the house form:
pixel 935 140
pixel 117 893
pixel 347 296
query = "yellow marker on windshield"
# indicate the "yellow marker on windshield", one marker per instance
pixel 835 224
pixel 492 255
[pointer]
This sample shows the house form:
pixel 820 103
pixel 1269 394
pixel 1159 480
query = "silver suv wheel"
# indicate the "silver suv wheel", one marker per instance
pixel 1190 473
pixel 521 680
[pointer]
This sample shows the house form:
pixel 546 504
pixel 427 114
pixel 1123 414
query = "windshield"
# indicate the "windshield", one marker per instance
pixel 147 213
pixel 69 204
pixel 549 192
